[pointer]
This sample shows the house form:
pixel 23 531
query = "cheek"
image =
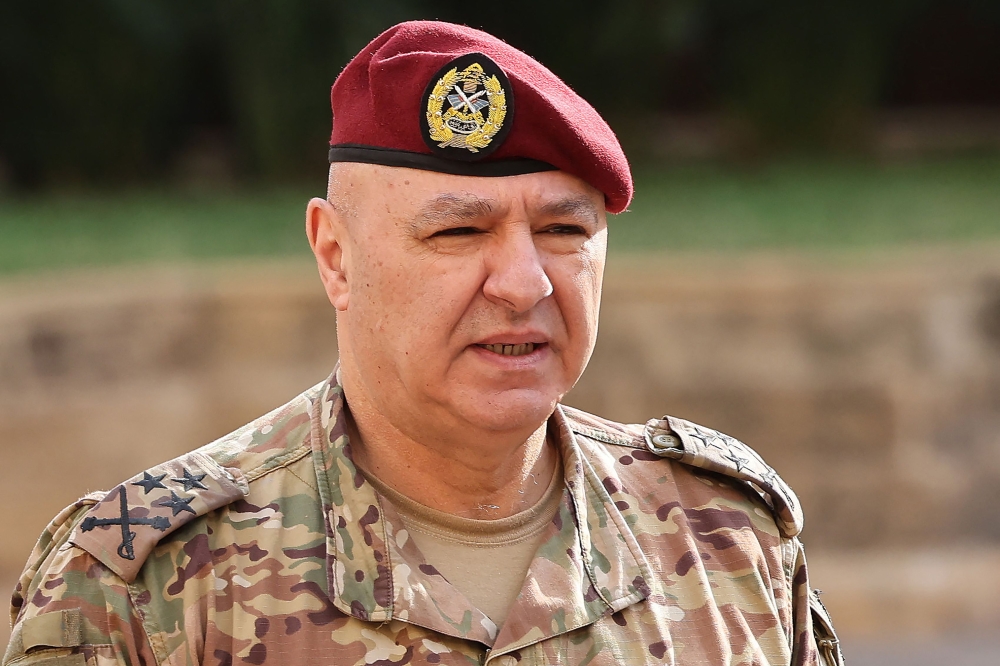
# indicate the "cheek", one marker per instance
pixel 379 296
pixel 577 286
pixel 593 272
pixel 589 276
pixel 414 302
pixel 587 303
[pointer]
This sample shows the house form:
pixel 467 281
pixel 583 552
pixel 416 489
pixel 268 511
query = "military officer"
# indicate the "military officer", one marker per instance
pixel 432 502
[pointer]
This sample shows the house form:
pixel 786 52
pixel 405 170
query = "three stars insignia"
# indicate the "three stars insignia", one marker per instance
pixel 745 460
pixel 731 449
pixel 149 482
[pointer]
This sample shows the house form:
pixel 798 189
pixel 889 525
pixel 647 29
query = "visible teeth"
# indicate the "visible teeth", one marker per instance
pixel 511 350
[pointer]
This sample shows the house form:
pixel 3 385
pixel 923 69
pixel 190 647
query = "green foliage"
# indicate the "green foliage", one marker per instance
pixel 801 74
pixel 112 90
pixel 817 204
pixel 66 231
pixel 801 204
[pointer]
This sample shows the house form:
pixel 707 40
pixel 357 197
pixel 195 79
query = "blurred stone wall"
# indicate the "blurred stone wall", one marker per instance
pixel 872 384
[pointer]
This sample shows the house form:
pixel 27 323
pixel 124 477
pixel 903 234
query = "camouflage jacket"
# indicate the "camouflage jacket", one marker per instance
pixel 673 544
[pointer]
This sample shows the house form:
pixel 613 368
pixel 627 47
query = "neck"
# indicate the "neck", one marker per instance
pixel 480 477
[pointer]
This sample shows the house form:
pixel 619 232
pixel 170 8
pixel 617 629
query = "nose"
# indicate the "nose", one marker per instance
pixel 517 279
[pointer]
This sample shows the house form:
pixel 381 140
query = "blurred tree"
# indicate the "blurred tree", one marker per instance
pixel 114 90
pixel 803 75
pixel 947 55
pixel 87 88
pixel 279 59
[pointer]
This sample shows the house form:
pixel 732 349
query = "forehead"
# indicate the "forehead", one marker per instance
pixel 402 191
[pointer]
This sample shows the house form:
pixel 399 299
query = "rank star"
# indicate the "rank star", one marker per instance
pixel 737 460
pixel 177 504
pixel 190 481
pixel 150 482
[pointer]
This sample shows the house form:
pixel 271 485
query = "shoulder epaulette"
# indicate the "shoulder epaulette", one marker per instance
pixel 711 450
pixel 700 447
pixel 123 528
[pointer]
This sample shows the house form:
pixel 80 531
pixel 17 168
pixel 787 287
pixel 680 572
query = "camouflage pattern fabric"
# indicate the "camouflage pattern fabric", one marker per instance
pixel 673 544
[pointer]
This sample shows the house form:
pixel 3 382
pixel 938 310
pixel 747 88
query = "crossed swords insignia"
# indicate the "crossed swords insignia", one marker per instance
pixel 472 102
pixel 125 520
pixel 125 550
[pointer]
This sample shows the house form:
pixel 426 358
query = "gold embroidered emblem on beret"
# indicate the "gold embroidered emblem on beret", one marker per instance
pixel 468 108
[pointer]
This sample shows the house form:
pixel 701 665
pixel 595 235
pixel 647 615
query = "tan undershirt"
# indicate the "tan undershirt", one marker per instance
pixel 486 560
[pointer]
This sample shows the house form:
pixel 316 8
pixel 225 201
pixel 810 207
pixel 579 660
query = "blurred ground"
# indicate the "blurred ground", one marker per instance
pixel 869 379
pixel 974 650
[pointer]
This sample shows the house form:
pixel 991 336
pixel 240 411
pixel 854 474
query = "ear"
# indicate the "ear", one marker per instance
pixel 327 235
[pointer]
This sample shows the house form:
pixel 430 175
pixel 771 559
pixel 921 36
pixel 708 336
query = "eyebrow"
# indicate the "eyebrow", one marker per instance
pixel 463 207
pixel 453 208
pixel 579 207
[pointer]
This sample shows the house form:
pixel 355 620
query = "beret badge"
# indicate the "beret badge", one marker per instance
pixel 469 108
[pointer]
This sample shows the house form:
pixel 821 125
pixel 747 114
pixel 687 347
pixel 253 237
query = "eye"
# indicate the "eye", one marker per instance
pixel 565 230
pixel 456 231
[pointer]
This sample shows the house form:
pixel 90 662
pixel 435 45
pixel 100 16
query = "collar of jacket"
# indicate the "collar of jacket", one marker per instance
pixel 590 564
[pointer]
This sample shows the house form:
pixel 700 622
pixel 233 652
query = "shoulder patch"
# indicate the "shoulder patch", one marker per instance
pixel 711 450
pixel 123 528
pixel 56 629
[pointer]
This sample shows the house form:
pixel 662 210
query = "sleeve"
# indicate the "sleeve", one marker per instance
pixel 69 609
pixel 814 641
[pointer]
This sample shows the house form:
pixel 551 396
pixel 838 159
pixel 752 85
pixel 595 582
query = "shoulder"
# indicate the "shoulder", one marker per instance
pixel 67 607
pixel 121 527
pixel 86 560
pixel 673 440
pixel 83 570
pixel 52 539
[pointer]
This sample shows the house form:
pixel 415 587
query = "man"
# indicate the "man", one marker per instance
pixel 432 502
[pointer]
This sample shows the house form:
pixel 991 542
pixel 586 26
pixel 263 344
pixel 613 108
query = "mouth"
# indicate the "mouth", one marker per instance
pixel 521 349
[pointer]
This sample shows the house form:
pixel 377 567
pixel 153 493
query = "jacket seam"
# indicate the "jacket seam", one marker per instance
pixel 390 608
pixel 278 462
pixel 315 437
pixel 605 438
pixel 153 638
pixel 291 471
pixel 323 488
pixel 614 515
pixel 791 546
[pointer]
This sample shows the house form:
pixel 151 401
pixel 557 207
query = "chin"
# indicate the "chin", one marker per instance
pixel 513 409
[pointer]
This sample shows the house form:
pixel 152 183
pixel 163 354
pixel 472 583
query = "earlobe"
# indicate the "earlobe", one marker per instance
pixel 326 235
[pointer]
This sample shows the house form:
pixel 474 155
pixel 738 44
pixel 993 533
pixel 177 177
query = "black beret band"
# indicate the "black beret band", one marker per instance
pixel 354 152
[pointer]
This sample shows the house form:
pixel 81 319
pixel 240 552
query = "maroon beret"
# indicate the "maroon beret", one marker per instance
pixel 448 98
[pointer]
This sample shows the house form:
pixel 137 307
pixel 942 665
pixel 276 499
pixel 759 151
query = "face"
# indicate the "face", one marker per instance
pixel 463 302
